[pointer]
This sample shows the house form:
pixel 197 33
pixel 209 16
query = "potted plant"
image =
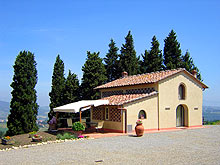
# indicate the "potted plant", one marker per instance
pixel 139 129
pixel 37 138
pixel 31 134
pixel 6 139
pixel 78 128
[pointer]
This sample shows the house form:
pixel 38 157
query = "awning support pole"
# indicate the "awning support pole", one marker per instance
pixel 125 110
pixel 80 116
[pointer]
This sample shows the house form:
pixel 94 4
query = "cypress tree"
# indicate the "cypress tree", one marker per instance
pixel 128 61
pixel 23 106
pixel 152 60
pixel 57 89
pixel 144 64
pixel 93 76
pixel 172 52
pixel 188 64
pixel 71 90
pixel 111 61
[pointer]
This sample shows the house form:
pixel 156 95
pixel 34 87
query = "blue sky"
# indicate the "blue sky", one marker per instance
pixel 71 28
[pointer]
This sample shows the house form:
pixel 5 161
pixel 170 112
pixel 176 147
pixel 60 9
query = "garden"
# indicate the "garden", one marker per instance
pixel 33 138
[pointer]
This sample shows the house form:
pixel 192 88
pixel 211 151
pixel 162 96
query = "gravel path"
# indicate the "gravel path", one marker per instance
pixel 192 146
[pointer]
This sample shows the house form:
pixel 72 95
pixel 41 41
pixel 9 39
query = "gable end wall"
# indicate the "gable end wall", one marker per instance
pixel 169 100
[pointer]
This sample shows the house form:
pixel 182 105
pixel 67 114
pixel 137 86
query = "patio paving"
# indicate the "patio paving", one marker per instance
pixel 96 135
pixel 186 147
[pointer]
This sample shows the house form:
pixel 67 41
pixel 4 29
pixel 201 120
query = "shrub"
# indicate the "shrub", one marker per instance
pixel 2 133
pixel 77 126
pixel 33 133
pixel 65 136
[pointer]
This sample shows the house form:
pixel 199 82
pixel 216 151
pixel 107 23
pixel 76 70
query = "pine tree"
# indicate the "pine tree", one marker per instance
pixel 172 52
pixel 128 61
pixel 71 90
pixel 188 64
pixel 57 89
pixel 23 106
pixel 144 64
pixel 111 61
pixel 152 60
pixel 93 76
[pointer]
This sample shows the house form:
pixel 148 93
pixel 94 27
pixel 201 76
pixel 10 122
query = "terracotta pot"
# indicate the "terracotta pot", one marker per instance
pixel 139 129
pixel 78 133
pixel 37 139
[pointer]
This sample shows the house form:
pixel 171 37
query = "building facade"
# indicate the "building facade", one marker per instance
pixel 163 100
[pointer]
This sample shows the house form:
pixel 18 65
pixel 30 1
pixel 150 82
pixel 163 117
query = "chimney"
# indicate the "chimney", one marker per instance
pixel 194 73
pixel 124 74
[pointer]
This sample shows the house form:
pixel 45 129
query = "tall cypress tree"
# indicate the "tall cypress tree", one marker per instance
pixel 128 61
pixel 58 84
pixel 188 64
pixel 71 90
pixel 111 61
pixel 152 60
pixel 23 106
pixel 94 74
pixel 145 62
pixel 172 51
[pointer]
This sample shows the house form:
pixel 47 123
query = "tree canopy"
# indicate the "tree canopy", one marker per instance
pixel 112 63
pixel 71 89
pixel 128 60
pixel 57 88
pixel 23 106
pixel 172 51
pixel 93 76
pixel 152 59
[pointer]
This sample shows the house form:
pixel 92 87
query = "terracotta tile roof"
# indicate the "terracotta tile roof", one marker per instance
pixel 145 79
pixel 127 98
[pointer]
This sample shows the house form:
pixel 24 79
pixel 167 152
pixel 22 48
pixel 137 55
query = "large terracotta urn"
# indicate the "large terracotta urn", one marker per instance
pixel 139 129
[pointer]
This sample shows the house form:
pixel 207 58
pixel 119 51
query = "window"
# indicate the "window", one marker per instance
pixel 142 115
pixel 106 113
pixel 182 92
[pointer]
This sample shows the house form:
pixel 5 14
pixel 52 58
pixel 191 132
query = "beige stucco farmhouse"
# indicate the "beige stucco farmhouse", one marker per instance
pixel 163 100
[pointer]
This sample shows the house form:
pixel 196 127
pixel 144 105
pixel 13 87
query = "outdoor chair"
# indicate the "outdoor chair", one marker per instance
pixel 83 122
pixel 99 126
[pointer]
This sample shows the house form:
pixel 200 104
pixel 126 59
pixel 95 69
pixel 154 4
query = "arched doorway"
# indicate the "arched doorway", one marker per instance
pixel 181 116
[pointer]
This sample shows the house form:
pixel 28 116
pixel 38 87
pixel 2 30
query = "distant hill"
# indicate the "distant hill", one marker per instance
pixel 5 108
pixel 210 113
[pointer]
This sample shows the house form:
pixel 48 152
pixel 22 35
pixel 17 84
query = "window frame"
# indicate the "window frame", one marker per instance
pixel 182 91
pixel 145 113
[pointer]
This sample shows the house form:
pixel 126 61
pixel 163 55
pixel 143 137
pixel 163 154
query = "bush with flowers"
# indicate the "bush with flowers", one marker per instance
pixel 139 121
pixel 37 138
pixel 7 138
pixel 53 120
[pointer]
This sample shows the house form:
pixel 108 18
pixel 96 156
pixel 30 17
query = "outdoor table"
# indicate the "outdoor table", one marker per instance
pixel 92 124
